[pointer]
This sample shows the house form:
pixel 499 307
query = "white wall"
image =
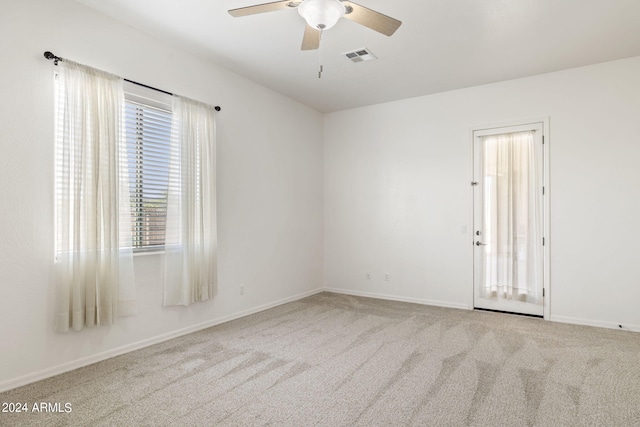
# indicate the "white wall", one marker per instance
pixel 397 191
pixel 269 187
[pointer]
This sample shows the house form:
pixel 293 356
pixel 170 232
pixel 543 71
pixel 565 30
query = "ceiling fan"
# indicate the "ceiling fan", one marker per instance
pixel 323 14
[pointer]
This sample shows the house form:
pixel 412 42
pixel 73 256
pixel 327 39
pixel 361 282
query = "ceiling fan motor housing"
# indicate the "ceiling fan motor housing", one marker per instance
pixel 321 14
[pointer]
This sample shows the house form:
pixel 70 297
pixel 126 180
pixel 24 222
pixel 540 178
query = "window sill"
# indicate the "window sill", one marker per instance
pixel 147 253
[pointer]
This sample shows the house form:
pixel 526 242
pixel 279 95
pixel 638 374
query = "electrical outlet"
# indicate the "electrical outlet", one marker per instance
pixel 367 275
pixel 241 289
pixel 387 277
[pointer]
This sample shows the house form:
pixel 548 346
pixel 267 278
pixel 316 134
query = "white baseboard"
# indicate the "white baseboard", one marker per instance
pixel 398 298
pixel 596 323
pixel 79 363
pixel 552 318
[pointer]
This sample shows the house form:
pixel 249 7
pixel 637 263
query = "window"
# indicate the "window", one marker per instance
pixel 148 134
pixel 150 153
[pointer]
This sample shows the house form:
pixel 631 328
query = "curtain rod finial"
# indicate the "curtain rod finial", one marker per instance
pixel 50 56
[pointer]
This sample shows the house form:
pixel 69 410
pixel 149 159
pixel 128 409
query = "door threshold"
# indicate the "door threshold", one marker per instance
pixel 537 316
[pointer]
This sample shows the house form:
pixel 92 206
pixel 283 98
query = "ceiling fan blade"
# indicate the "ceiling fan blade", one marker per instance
pixel 263 8
pixel 371 19
pixel 311 39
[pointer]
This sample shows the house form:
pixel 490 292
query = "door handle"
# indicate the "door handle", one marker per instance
pixel 478 243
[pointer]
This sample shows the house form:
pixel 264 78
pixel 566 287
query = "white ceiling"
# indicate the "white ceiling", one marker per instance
pixel 441 45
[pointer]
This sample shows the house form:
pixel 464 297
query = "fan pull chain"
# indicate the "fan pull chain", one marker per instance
pixel 321 68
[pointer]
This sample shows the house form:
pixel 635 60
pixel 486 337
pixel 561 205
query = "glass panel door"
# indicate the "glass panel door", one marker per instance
pixel 508 219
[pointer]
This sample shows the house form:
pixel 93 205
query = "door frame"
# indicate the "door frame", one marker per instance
pixel 546 249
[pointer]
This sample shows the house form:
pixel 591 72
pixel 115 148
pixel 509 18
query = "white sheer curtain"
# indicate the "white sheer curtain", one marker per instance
pixel 512 223
pixel 191 243
pixel 94 266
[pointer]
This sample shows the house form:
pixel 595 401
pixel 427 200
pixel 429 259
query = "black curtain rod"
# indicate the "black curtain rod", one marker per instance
pixel 51 57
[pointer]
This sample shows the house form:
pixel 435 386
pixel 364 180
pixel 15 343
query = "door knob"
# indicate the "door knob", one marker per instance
pixel 478 243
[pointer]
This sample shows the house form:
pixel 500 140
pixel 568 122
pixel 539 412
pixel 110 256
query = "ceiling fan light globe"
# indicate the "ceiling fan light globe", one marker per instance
pixel 321 14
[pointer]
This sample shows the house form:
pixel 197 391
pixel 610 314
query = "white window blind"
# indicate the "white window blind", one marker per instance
pixel 148 134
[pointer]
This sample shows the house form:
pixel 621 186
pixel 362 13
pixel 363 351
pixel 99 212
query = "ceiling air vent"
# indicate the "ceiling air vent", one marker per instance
pixel 360 55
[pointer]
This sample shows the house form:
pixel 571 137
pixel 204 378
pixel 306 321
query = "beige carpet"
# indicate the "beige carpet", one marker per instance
pixel 336 360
